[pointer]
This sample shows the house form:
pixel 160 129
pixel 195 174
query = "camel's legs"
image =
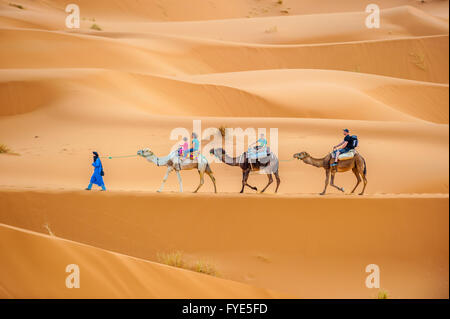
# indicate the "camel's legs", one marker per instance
pixel 333 173
pixel 247 184
pixel 169 169
pixel 365 183
pixel 202 180
pixel 277 177
pixel 356 172
pixel 180 181
pixel 270 182
pixel 243 181
pixel 245 175
pixel 210 174
pixel 327 178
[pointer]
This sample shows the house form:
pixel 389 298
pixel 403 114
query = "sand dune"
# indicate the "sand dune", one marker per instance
pixel 298 94
pixel 246 239
pixel 305 68
pixel 103 274
pixel 174 10
pixel 422 59
pixel 305 29
pixel 64 52
pixel 358 96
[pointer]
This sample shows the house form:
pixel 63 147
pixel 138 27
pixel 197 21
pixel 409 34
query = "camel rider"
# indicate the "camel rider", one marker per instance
pixel 183 150
pixel 260 144
pixel 195 145
pixel 345 146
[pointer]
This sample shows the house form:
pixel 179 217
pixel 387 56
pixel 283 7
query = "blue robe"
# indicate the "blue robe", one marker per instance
pixel 97 177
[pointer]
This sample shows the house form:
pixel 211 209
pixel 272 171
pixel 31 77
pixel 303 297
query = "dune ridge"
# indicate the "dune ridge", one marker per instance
pixel 419 58
pixel 357 97
pixel 305 29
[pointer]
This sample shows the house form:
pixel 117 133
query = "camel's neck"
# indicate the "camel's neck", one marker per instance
pixel 317 162
pixel 160 161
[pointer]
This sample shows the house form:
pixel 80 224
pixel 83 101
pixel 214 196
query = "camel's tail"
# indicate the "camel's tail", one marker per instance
pixel 365 167
pixel 208 169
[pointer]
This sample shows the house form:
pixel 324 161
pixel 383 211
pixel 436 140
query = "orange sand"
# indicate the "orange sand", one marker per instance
pixel 306 250
pixel 309 72
pixel 103 274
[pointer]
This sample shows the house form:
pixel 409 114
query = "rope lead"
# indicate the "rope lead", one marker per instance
pixel 127 156
pixel 111 157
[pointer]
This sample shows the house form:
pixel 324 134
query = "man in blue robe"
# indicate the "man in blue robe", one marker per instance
pixel 97 177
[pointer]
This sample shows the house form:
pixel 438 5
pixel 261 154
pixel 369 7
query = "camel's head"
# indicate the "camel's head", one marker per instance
pixel 145 152
pixel 218 152
pixel 301 155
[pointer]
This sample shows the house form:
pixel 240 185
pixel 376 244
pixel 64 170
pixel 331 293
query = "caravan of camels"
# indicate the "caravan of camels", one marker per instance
pixel 262 160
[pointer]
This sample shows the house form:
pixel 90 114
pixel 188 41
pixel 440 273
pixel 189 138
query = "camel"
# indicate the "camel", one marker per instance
pixel 269 167
pixel 357 164
pixel 174 162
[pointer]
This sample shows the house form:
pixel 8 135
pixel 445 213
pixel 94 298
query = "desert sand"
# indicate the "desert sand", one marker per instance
pixel 304 68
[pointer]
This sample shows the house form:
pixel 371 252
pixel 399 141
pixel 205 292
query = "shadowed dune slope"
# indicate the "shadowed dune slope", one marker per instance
pixel 246 238
pixel 35 265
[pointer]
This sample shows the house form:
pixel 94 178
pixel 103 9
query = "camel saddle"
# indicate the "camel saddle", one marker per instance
pixel 346 156
pixel 260 156
pixel 193 156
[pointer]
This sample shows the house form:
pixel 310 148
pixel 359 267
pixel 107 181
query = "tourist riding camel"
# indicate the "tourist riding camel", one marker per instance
pixel 183 150
pixel 259 145
pixel 192 152
pixel 347 145
pixel 174 163
pixel 343 158
pixel 267 165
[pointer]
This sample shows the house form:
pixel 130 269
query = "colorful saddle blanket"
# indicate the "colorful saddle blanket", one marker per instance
pixel 194 155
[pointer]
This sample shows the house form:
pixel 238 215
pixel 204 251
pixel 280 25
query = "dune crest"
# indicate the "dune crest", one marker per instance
pixel 297 94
